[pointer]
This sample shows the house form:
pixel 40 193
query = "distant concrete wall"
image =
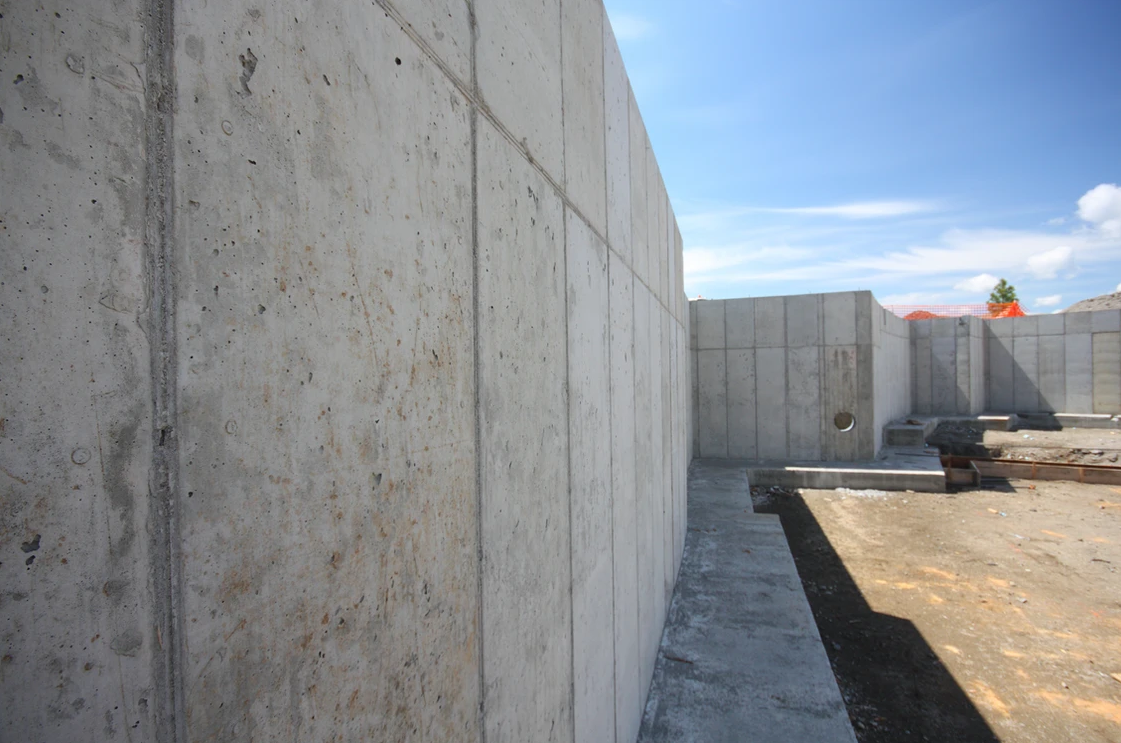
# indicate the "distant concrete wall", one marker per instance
pixel 949 363
pixel 772 374
pixel 344 377
pixel 892 366
pixel 1065 363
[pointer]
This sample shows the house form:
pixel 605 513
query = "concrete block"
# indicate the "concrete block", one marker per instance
pixel 710 323
pixel 712 371
pixel 667 461
pixel 803 370
pixel 519 41
pixel 1051 324
pixel 1105 321
pixel 691 309
pixel 666 239
pixel 326 361
pixel 616 90
pixel 1052 371
pixel 923 381
pixel 770 322
pixel 770 400
pixel 695 410
pixel 1078 322
pixel 739 319
pixel 526 549
pixel 839 313
pixel 921 328
pixel 1079 371
pixel 742 442
pixel 943 327
pixel 1001 328
pixel 76 418
pixel 585 160
pixel 1023 327
pixel 1107 373
pixel 679 263
pixel 978 374
pixel 803 320
pixel 628 696
pixel 840 390
pixel 1025 373
pixel 589 467
pixel 944 373
pixel 870 423
pixel 868 318
pixel 1001 375
pixel 640 251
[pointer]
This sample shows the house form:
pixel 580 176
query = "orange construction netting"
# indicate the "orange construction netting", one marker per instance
pixel 987 311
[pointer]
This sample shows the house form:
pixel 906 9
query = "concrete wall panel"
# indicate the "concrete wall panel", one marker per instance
pixel 839 313
pixel 1105 321
pixel 1025 370
pixel 617 118
pixel 840 389
pixel 1107 372
pixel 770 380
pixel 803 321
pixel 80 648
pixel 710 324
pixel 803 374
pixel 713 380
pixel 923 376
pixel 585 163
pixel 640 251
pixel 742 442
pixel 1079 374
pixel 629 697
pixel 326 403
pixel 527 624
pixel 519 41
pixel 1001 375
pixel 770 322
pixel 645 478
pixel 944 372
pixel 1052 371
pixel 739 319
pixel 589 426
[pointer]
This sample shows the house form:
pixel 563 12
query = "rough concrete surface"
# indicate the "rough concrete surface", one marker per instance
pixel 353 313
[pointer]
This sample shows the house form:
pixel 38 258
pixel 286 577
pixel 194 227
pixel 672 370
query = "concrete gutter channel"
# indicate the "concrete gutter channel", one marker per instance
pixel 741 658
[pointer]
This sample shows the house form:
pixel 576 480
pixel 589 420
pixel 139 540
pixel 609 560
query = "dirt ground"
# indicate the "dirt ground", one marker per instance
pixel 1073 445
pixel 978 616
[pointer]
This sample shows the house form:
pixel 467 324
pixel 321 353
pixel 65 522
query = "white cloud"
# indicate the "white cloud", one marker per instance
pixel 1118 289
pixel 858 210
pixel 1101 207
pixel 978 284
pixel 1047 265
pixel 1050 301
pixel 1056 221
pixel 629 27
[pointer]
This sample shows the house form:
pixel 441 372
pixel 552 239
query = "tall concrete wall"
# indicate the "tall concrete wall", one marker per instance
pixel 773 373
pixel 949 362
pixel 1065 363
pixel 345 374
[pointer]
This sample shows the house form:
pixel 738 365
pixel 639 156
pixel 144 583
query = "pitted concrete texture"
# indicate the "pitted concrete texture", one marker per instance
pixel 741 658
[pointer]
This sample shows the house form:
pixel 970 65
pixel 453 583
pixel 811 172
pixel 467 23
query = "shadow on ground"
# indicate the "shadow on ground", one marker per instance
pixel 894 685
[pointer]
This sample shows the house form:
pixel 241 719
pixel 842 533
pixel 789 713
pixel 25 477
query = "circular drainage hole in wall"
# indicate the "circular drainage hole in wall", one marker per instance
pixel 844 422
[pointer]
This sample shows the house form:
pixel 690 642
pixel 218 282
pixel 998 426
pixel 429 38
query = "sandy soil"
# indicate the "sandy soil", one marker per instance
pixel 978 616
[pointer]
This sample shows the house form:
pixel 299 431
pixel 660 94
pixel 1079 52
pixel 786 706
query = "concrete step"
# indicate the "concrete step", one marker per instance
pixel 907 469
pixel 741 658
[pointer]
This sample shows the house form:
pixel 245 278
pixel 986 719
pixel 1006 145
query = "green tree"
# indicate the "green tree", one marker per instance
pixel 1003 293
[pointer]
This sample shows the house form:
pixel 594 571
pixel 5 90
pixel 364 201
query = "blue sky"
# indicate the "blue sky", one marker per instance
pixel 920 149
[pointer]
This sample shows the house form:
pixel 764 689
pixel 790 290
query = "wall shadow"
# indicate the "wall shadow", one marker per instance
pixel 895 687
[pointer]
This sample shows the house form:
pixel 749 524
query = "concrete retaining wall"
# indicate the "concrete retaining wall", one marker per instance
pixel 773 372
pixel 1065 363
pixel 949 363
pixel 344 374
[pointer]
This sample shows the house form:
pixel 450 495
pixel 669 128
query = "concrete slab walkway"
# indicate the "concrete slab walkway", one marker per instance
pixel 741 658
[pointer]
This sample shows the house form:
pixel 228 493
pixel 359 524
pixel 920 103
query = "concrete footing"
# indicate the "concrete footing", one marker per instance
pixel 915 469
pixel 741 658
